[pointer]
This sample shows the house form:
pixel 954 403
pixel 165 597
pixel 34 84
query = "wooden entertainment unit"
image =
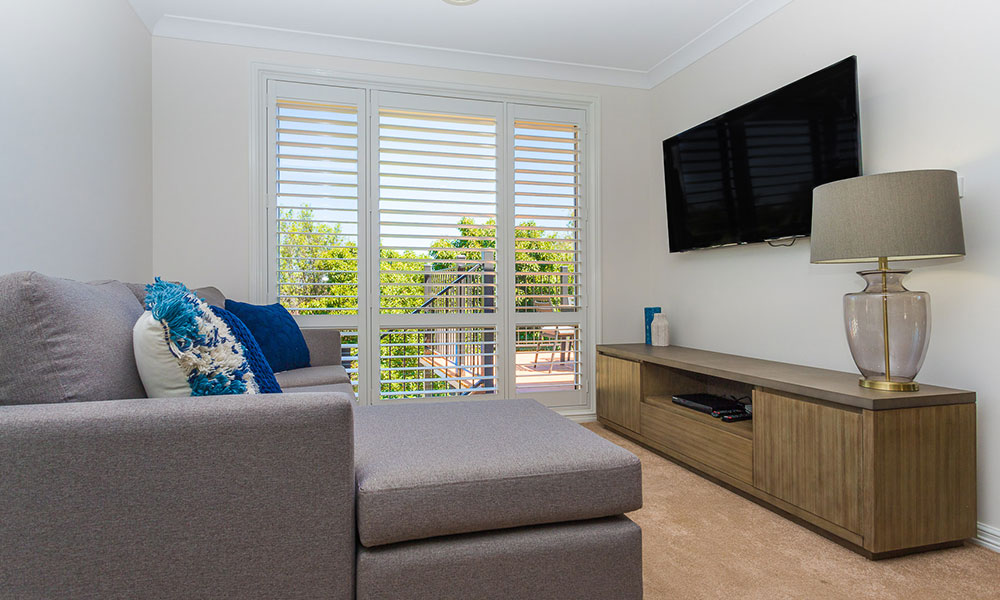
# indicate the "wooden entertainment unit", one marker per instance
pixel 883 473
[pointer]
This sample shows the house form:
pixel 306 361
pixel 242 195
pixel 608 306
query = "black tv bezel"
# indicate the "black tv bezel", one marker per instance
pixel 673 246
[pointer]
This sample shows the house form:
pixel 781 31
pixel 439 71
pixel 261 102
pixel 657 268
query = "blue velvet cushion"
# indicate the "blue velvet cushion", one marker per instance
pixel 276 332
pixel 262 372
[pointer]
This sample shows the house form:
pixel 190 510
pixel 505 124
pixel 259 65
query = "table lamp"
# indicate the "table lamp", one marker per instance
pixel 907 215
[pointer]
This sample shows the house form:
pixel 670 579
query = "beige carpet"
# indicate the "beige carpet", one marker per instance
pixel 700 540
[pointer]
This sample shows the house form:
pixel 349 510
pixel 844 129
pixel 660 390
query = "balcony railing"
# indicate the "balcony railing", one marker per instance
pixel 445 361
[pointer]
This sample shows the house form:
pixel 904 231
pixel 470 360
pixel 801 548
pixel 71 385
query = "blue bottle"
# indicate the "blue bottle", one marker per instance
pixel 650 311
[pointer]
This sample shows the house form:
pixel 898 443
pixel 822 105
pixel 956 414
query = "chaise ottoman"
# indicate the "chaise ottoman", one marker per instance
pixel 492 499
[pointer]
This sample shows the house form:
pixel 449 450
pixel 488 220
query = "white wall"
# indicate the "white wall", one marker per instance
pixel 201 157
pixel 930 90
pixel 75 139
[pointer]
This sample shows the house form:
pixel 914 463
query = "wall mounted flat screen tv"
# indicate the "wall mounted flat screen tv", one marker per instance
pixel 747 176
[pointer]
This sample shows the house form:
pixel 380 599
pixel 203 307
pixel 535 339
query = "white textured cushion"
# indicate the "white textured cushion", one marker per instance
pixel 159 370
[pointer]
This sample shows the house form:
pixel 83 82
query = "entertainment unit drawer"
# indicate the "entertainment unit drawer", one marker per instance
pixel 700 437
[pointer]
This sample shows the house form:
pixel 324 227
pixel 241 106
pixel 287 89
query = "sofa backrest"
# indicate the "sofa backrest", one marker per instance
pixel 209 294
pixel 66 341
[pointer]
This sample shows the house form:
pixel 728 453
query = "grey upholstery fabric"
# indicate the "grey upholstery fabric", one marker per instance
pixel 592 560
pixel 248 497
pixel 63 340
pixel 324 346
pixel 312 376
pixel 209 294
pixel 340 388
pixel 138 289
pixel 425 470
pixel 212 295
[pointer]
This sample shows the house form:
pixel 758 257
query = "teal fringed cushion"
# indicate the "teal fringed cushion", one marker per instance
pixel 182 348
pixel 262 372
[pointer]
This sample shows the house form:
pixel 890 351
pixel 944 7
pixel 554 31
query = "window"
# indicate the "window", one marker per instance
pixel 447 237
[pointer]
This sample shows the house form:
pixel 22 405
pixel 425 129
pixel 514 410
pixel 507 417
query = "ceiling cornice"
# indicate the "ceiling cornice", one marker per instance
pixel 732 25
pixel 240 34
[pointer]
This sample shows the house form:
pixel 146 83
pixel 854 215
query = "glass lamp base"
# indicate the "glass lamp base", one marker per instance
pixel 888 327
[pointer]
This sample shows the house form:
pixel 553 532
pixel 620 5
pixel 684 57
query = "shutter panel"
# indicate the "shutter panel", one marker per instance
pixel 437 361
pixel 548 221
pixel 436 241
pixel 437 212
pixel 316 191
pixel 548 358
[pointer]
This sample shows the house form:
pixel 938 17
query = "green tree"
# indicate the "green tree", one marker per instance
pixel 317 265
pixel 535 252
pixel 318 275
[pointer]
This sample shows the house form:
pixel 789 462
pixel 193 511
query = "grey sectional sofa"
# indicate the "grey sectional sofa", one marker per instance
pixel 108 494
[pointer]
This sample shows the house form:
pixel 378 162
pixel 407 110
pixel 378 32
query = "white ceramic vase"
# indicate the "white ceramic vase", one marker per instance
pixel 660 330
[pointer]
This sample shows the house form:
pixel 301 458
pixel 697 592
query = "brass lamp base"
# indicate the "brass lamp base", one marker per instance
pixel 889 386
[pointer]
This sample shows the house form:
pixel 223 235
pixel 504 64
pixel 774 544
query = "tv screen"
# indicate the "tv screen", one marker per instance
pixel 747 176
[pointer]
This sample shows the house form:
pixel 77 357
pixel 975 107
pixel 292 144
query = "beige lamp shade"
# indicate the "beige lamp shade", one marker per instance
pixel 900 216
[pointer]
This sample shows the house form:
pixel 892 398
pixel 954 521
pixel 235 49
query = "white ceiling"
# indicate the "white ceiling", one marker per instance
pixel 636 43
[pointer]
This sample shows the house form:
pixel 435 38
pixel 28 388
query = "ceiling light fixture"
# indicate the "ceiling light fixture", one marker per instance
pixel 461 2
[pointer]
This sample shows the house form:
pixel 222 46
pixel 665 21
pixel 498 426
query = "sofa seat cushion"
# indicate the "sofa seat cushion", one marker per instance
pixel 426 470
pixel 312 376
pixel 340 388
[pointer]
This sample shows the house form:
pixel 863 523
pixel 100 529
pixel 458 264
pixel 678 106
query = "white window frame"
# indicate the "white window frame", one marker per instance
pixel 260 225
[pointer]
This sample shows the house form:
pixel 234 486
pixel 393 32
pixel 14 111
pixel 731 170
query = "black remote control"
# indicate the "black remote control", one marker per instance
pixel 733 418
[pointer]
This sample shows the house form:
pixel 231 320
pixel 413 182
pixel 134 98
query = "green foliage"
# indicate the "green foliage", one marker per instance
pixel 314 262
pixel 529 245
pixel 318 275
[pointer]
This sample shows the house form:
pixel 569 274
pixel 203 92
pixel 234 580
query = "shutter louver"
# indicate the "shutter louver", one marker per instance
pixel 317 207
pixel 548 220
pixel 437 361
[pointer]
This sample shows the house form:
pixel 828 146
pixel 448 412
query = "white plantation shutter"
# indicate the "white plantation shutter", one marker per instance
pixel 437 207
pixel 437 234
pixel 549 225
pixel 429 362
pixel 547 215
pixel 446 238
pixel 316 190
pixel 550 358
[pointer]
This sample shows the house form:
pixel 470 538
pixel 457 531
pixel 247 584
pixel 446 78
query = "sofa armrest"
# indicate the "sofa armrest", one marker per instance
pixel 224 497
pixel 324 346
